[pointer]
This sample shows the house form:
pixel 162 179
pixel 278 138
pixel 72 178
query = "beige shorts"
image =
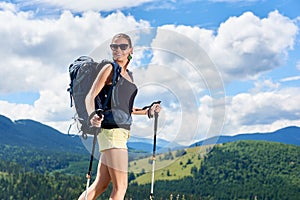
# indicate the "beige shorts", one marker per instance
pixel 113 138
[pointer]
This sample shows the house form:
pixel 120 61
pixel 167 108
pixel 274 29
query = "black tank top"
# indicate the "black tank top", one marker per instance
pixel 123 95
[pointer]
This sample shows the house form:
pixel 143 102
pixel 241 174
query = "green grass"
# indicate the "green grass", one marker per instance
pixel 3 174
pixel 173 169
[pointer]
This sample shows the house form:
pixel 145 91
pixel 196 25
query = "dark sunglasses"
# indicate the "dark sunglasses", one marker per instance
pixel 122 46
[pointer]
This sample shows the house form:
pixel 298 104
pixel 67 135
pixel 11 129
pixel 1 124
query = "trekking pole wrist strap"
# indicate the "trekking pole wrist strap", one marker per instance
pixel 149 113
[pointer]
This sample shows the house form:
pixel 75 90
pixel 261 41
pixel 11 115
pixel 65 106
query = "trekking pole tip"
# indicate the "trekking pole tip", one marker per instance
pixel 151 196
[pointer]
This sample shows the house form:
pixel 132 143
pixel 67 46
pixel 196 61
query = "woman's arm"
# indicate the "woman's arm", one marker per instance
pixel 154 108
pixel 139 111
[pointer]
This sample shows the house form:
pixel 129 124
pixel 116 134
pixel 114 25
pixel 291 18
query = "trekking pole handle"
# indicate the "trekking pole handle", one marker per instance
pixel 149 109
pixel 155 132
pixel 99 112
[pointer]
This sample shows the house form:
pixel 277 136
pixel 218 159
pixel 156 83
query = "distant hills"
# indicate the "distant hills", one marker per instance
pixel 288 135
pixel 35 134
pixel 235 170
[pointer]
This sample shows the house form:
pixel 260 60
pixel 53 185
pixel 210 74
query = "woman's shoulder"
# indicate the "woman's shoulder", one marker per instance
pixel 105 63
pixel 106 69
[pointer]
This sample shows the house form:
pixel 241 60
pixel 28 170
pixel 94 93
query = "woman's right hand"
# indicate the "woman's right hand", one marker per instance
pixel 96 120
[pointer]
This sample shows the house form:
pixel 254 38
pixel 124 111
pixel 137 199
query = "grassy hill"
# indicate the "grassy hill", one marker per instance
pixel 172 165
pixel 237 170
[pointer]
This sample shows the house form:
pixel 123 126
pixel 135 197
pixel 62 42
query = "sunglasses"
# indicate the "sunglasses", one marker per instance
pixel 116 46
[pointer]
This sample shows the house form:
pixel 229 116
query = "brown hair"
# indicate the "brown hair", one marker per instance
pixel 125 36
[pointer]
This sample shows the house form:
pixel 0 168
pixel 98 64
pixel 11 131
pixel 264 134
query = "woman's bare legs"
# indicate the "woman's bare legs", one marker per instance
pixel 113 166
pixel 119 180
pixel 117 163
pixel 99 185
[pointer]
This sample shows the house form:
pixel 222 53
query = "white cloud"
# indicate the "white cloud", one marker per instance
pixel 179 119
pixel 245 46
pixel 82 6
pixel 33 49
pixel 36 54
pixel 8 6
pixel 292 78
pixel 264 86
pixel 263 111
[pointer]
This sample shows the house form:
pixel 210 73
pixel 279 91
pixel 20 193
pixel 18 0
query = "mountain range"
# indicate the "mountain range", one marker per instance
pixel 35 134
pixel 287 135
pixel 30 133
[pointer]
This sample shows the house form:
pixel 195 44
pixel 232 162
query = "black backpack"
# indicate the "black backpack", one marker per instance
pixel 83 72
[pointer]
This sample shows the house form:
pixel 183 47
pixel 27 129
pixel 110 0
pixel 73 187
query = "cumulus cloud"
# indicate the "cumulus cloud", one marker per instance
pixel 246 46
pixel 36 54
pixel 263 111
pixel 57 41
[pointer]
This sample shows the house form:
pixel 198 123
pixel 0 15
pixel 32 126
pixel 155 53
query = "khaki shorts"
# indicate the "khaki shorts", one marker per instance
pixel 113 138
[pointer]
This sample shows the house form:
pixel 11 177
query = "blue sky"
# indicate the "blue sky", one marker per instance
pixel 209 14
pixel 253 47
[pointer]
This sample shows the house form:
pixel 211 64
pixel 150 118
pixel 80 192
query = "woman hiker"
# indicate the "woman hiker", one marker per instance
pixel 112 139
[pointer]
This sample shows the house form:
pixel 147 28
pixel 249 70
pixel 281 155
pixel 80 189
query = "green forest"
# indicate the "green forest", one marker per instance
pixel 238 170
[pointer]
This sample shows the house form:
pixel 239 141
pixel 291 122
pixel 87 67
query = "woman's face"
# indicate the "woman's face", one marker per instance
pixel 120 49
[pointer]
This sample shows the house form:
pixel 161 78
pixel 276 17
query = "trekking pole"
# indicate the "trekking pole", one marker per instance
pixel 95 130
pixel 88 175
pixel 153 154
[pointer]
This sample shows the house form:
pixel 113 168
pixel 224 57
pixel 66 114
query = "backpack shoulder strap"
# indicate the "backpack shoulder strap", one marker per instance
pixel 116 75
pixel 116 72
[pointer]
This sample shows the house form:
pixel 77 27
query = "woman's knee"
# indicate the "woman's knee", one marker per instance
pixel 100 188
pixel 103 178
pixel 120 187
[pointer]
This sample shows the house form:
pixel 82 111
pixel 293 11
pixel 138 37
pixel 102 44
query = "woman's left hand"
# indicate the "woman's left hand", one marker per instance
pixel 155 108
